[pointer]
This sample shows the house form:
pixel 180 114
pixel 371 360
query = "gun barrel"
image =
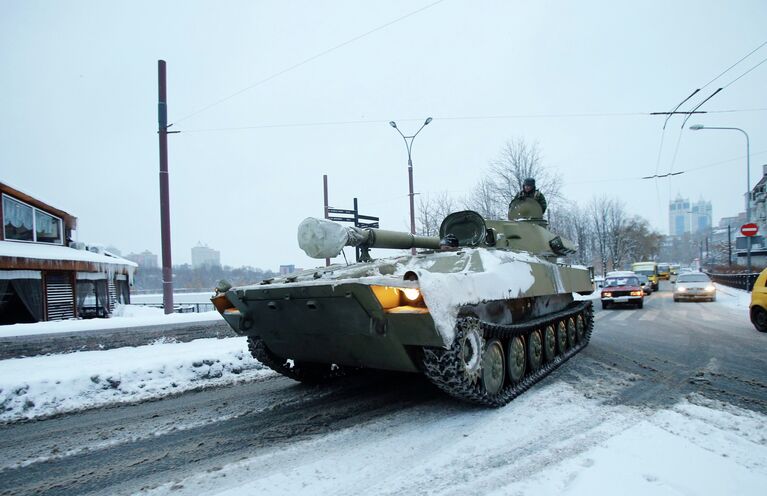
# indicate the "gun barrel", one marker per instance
pixel 380 238
pixel 320 238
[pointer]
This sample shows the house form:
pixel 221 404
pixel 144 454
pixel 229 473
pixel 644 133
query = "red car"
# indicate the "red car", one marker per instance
pixel 622 290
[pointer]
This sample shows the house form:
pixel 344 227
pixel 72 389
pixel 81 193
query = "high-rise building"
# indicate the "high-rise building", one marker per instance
pixel 685 217
pixel 287 269
pixel 145 260
pixel 203 256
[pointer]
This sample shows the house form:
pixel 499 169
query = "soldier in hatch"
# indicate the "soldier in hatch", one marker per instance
pixel 529 191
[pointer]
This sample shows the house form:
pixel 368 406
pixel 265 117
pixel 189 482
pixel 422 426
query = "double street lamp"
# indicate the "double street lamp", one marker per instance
pixel 409 145
pixel 698 127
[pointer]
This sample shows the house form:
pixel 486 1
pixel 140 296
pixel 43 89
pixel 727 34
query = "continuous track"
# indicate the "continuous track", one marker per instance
pixel 447 368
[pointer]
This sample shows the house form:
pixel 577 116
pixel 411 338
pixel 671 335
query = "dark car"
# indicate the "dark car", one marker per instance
pixel 622 290
pixel 645 283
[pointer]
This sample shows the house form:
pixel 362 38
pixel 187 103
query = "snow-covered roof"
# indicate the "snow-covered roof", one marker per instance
pixel 39 251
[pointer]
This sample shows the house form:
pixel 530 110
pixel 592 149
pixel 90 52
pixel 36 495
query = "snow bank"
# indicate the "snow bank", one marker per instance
pixel 124 316
pixel 689 449
pixel 733 298
pixel 46 385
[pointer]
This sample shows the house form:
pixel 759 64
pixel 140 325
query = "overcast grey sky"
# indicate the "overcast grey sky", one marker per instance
pixel 79 94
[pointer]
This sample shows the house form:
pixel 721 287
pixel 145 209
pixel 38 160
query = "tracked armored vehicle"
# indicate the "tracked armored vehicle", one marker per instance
pixel 484 311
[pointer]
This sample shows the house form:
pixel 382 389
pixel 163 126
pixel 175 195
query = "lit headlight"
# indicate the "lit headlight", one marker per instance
pixel 710 288
pixel 636 293
pixel 681 289
pixel 606 295
pixel 391 297
pixel 411 294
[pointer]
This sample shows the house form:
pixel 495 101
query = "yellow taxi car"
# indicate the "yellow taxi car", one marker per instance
pixel 758 306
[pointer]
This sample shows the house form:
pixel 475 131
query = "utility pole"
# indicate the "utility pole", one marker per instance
pixel 162 132
pixel 729 246
pixel 325 193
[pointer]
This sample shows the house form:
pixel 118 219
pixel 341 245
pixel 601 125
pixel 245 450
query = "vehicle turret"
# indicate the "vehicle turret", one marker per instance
pixel 525 231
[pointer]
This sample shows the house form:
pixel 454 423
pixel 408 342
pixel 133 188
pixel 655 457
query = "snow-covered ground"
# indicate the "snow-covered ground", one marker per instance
pixel 47 385
pixel 582 445
pixel 733 298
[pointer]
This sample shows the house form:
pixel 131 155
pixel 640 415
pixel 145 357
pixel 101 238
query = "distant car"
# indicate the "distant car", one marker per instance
pixel 758 306
pixel 599 282
pixel 622 289
pixel 645 283
pixel 694 286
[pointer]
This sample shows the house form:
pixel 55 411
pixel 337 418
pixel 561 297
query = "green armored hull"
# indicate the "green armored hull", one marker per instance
pixel 481 318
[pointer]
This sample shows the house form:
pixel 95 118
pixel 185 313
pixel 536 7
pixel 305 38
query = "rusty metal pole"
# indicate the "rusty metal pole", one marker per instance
pixel 325 193
pixel 411 194
pixel 162 132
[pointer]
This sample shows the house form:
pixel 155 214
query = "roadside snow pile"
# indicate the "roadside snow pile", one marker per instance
pixel 40 386
pixel 688 449
pixel 124 316
pixel 731 297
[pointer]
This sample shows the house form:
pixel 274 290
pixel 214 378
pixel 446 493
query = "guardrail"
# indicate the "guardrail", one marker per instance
pixel 182 307
pixel 739 281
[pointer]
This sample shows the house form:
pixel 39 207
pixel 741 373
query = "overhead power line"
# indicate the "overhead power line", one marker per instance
pixel 454 118
pixel 695 110
pixel 307 60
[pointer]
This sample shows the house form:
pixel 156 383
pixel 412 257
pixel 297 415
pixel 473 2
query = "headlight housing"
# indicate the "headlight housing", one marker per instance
pixel 681 289
pixel 710 288
pixel 390 297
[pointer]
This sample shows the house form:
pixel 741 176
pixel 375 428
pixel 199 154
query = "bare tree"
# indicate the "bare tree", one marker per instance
pixel 619 240
pixel 516 161
pixel 600 218
pixel 432 210
pixel 484 200
pixel 643 242
pixel 574 223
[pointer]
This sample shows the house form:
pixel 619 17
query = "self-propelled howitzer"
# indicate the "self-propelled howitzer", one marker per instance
pixel 484 310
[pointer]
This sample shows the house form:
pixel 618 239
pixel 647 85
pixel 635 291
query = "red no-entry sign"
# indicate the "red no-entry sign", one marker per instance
pixel 749 229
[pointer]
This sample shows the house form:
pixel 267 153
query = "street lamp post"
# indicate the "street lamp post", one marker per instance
pixel 698 127
pixel 409 146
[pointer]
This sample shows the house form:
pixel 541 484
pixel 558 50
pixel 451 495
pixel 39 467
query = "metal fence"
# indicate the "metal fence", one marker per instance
pixel 739 281
pixel 182 307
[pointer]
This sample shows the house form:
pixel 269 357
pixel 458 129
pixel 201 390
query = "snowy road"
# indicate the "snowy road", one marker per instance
pixel 670 399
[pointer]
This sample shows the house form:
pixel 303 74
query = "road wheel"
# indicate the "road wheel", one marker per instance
pixel 571 332
pixel 676 300
pixel 535 350
pixel 516 359
pixel 493 367
pixel 549 343
pixel 472 346
pixel 605 305
pixel 561 337
pixel 640 304
pixel 759 319
pixel 580 328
